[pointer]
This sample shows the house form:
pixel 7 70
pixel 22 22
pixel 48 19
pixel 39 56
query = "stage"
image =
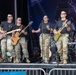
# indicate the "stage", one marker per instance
pixel 36 65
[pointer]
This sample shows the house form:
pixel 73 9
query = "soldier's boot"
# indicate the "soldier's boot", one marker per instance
pixel 1 59
pixel 61 62
pixel 46 60
pixel 4 59
pixel 9 59
pixel 64 61
pixel 17 60
pixel 14 60
pixel 61 58
pixel 27 60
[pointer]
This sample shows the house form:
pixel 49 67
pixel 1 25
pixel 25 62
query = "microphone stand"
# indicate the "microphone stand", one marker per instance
pixel 42 39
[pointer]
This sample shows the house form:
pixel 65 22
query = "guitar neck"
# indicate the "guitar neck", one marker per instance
pixel 30 23
pixel 23 29
pixel 61 29
pixel 63 26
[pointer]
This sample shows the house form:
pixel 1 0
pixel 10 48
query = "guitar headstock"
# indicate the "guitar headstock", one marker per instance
pixel 69 22
pixel 30 23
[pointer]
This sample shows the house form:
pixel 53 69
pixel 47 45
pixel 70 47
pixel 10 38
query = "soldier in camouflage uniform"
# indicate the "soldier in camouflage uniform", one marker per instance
pixel 22 42
pixel 6 43
pixel 63 40
pixel 44 28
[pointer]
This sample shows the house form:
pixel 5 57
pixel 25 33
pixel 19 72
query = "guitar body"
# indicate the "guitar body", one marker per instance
pixel 15 38
pixel 57 36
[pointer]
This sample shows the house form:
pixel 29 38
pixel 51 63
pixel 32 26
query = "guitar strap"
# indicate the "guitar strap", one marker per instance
pixel 21 26
pixel 64 22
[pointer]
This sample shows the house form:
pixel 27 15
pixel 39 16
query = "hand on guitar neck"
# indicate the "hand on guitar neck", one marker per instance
pixel 55 31
pixel 2 32
pixel 25 33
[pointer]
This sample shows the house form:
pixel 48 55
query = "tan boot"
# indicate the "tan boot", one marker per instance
pixel 17 60
pixel 1 59
pixel 64 61
pixel 27 60
pixel 61 62
pixel 14 60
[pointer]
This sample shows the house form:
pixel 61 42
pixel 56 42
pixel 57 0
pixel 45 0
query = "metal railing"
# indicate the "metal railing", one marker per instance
pixel 62 71
pixel 29 71
pixel 40 71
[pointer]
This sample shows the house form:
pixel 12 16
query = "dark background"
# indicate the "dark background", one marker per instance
pixel 7 6
pixel 35 10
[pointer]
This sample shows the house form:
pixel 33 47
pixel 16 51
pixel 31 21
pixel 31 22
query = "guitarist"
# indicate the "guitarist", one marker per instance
pixel 63 40
pixel 22 42
pixel 6 43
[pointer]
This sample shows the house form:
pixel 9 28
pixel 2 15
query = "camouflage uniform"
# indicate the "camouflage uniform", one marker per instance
pixel 44 45
pixel 6 43
pixel 6 46
pixel 63 47
pixel 23 43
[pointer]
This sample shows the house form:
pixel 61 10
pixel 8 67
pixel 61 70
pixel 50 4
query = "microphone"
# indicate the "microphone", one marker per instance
pixel 47 26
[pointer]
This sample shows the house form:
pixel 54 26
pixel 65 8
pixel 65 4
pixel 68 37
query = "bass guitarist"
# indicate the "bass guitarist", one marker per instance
pixel 21 42
pixel 63 39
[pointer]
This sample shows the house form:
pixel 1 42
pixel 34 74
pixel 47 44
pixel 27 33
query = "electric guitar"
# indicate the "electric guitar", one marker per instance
pixel 2 35
pixel 57 36
pixel 16 37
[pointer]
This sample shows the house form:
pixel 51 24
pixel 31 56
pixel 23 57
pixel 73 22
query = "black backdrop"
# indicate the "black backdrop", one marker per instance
pixel 7 6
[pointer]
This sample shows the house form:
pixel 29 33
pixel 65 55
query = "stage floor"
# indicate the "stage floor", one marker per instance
pixel 36 65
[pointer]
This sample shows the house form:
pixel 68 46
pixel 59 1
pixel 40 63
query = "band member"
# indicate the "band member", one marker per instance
pixel 22 42
pixel 44 28
pixel 6 45
pixel 63 40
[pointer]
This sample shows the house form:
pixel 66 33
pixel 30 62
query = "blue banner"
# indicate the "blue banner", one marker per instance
pixel 13 73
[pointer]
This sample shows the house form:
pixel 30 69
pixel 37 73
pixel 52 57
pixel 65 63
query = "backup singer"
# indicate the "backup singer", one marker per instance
pixel 63 40
pixel 44 28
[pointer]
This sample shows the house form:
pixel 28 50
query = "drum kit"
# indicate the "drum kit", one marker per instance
pixel 72 49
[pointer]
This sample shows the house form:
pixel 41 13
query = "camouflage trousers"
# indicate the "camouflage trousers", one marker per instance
pixel 6 46
pixel 63 47
pixel 23 43
pixel 44 45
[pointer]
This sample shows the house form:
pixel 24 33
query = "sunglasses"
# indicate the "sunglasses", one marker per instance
pixel 9 16
pixel 19 20
pixel 63 13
